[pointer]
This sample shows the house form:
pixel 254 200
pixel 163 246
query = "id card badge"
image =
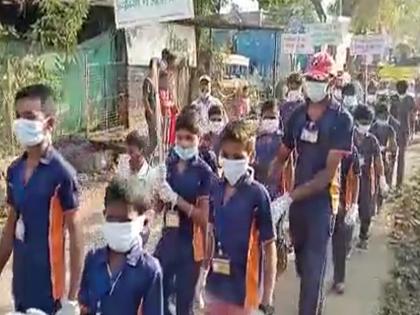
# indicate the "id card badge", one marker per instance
pixel 310 136
pixel 20 230
pixel 221 265
pixel 172 219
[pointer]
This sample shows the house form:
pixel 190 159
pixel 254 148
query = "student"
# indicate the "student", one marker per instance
pixel 43 204
pixel 346 217
pixel 371 165
pixel 294 97
pixel 268 140
pixel 349 97
pixel 243 230
pixel 186 189
pixel 121 278
pixel 321 134
pixel 402 108
pixel 386 135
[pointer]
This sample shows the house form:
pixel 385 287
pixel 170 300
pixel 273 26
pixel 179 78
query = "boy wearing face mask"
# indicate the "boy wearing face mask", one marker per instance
pixel 321 134
pixel 294 97
pixel 402 108
pixel 181 249
pixel 243 229
pixel 370 161
pixel 122 278
pixel 217 121
pixel 205 100
pixel 349 101
pixel 386 135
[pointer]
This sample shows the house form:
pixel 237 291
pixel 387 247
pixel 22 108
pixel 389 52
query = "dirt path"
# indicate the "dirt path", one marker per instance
pixel 366 271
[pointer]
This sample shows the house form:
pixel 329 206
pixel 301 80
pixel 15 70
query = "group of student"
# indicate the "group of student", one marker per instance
pixel 224 191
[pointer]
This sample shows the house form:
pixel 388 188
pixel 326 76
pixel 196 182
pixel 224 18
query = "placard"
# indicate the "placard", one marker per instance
pixel 325 33
pixel 368 45
pixel 296 44
pixel 129 13
pixel 146 42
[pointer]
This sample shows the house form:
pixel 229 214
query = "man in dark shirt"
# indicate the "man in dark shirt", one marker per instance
pixel 402 108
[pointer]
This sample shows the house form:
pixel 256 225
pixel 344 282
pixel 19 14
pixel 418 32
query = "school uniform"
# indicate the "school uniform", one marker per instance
pixel 242 225
pixel 343 233
pixel 38 246
pixel 210 158
pixel 136 288
pixel 180 249
pixel 369 149
pixel 312 219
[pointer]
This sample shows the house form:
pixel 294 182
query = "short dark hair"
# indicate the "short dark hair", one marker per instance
pixel 239 131
pixel 295 78
pixel 349 89
pixel 41 91
pixel 381 109
pixel 119 190
pixel 402 86
pixel 269 105
pixel 135 138
pixel 188 121
pixel 215 110
pixel 363 112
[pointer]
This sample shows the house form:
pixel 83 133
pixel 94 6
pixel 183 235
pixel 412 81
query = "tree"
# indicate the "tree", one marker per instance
pixel 307 10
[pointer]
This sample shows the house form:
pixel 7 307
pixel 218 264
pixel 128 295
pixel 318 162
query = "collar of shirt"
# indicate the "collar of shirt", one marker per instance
pixel 132 257
pixel 45 158
pixel 144 170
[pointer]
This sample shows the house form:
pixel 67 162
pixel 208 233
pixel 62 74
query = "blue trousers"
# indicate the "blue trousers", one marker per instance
pixel 311 229
pixel 180 273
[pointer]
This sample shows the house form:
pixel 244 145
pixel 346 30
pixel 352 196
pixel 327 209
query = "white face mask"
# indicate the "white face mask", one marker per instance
pixel 316 91
pixel 350 101
pixel 216 126
pixel 186 153
pixel 269 125
pixel 121 237
pixel 233 170
pixel 29 133
pixel 363 129
pixel 294 96
pixel 371 98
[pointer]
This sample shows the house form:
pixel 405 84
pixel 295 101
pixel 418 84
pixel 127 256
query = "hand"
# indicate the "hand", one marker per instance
pixel 280 207
pixel 167 194
pixel 199 288
pixel 383 186
pixel 69 308
pixel 352 214
pixel 266 309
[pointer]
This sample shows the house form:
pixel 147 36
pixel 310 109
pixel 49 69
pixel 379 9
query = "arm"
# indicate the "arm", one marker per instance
pixel 153 301
pixel 355 189
pixel 392 142
pixel 379 165
pixel 321 180
pixel 270 266
pixel 6 242
pixel 74 228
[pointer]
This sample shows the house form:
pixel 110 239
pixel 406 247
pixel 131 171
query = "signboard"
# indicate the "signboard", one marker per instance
pixel 296 44
pixel 146 42
pixel 325 33
pixel 365 45
pixel 129 13
pixel 398 73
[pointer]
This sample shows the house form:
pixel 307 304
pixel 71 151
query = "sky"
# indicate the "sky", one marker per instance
pixel 245 5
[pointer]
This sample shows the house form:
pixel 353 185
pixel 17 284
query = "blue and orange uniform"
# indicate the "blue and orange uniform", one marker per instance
pixel 242 225
pixel 40 205
pixel 369 150
pixel 312 219
pixel 136 286
pixel 180 250
pixel 343 234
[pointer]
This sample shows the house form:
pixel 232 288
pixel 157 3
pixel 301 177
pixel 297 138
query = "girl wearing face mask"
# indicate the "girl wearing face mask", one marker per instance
pixel 185 190
pixel 371 165
pixel 122 268
pixel 242 206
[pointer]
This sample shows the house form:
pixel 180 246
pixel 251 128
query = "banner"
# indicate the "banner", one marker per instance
pixel 398 73
pixel 325 33
pixel 364 45
pixel 129 13
pixel 146 42
pixel 296 44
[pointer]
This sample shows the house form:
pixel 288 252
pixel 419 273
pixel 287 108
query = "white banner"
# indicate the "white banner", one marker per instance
pixel 325 33
pixel 146 42
pixel 129 13
pixel 296 44
pixel 366 45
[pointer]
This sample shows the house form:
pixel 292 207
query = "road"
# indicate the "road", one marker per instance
pixel 366 270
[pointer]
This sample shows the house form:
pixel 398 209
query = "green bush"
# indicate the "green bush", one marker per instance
pixel 401 294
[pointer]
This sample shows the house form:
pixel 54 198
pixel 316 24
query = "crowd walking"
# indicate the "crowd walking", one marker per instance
pixel 305 175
